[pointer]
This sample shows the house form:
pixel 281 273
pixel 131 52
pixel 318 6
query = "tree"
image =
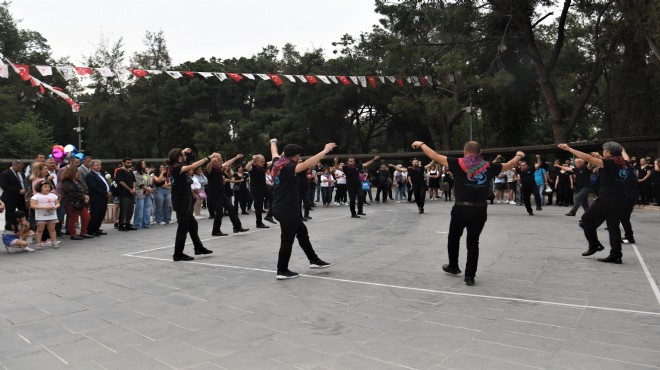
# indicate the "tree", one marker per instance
pixel 25 138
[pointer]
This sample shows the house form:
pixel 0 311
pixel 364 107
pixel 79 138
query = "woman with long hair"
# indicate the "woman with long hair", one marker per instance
pixel 76 201
pixel 162 196
pixel 240 187
pixel 143 196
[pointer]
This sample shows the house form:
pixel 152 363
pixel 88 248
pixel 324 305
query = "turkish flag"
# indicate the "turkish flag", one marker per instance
pixel 235 76
pixel 276 79
pixel 311 79
pixel 189 74
pixel 399 82
pixel 139 73
pixel 83 71
pixel 422 79
pixel 344 80
pixel 372 81
pixel 23 70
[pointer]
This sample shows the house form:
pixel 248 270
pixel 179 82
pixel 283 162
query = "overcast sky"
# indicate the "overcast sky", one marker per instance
pixel 195 28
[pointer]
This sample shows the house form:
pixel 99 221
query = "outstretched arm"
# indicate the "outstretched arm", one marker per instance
pixel 273 149
pixel 248 166
pixel 441 159
pixel 514 161
pixel 368 163
pixel 565 168
pixel 584 156
pixel 231 161
pixel 311 162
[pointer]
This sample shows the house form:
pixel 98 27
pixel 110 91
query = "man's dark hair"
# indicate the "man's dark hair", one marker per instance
pixel 291 150
pixel 126 159
pixel 472 147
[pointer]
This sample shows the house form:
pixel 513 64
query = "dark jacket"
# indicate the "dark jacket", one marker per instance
pixel 11 187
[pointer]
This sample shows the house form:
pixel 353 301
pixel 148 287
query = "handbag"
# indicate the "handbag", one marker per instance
pixel 78 204
pixel 548 189
pixel 201 194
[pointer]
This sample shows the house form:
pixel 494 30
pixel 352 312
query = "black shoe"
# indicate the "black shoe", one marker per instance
pixel 67 233
pixel 130 228
pixel 121 228
pixel 219 233
pixel 77 237
pixel 451 270
pixel 319 264
pixel 270 219
pixel 531 213
pixel 355 216
pixel 628 241
pixel 571 213
pixel 287 275
pixel 211 217
pixel 308 217
pixel 245 213
pixel 203 251
pixel 88 236
pixel 262 226
pixel 240 230
pixel 539 209
pixel 99 233
pixel 362 214
pixel 305 219
pixel 610 259
pixel 469 281
pixel 421 210
pixel 182 257
pixel 593 250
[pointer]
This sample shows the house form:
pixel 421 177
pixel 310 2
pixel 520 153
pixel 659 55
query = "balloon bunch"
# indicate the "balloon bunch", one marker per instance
pixel 60 153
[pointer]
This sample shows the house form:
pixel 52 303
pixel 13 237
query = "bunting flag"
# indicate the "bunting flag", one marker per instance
pixel 382 79
pixel 392 79
pixel 83 71
pixel 45 70
pixel 154 72
pixel 354 79
pixel 301 78
pixel 205 74
pixel 174 74
pixel 249 75
pixel 189 74
pixel 263 76
pixel 276 79
pixel 333 79
pixel 344 80
pixel 363 81
pixel 415 81
pixel 23 70
pixel 66 72
pixel 235 76
pixel 4 70
pixel 372 81
pixel 429 79
pixel 324 79
pixel 290 78
pixel 139 73
pixel 105 72
pixel 422 80
pixel 220 76
pixel 399 82
pixel 311 79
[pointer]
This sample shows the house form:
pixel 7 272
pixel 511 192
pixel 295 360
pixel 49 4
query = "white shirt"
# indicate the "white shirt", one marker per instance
pixel 341 178
pixel 45 200
pixel 328 180
pixel 195 185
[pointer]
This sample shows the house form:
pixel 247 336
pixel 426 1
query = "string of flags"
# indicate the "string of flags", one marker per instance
pixel 71 72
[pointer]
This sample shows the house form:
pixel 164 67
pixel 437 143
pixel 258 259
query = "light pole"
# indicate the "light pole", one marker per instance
pixel 79 129
pixel 470 96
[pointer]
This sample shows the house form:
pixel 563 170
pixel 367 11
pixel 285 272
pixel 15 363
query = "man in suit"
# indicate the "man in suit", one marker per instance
pixel 83 170
pixel 12 183
pixel 99 191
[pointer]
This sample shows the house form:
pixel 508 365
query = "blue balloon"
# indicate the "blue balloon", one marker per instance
pixel 80 156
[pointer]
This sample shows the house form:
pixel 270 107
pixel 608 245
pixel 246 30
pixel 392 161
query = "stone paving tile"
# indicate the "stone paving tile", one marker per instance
pixel 317 341
pixel 176 354
pixel 29 358
pixel 576 361
pixel 615 352
pixel 154 329
pixel 533 342
pixel 516 355
pixel 78 349
pixel 389 349
pixel 18 313
pixel 119 339
pixel 128 360
pixel 465 361
pixel 250 359
pixel 44 331
pixel 291 354
pixel 213 341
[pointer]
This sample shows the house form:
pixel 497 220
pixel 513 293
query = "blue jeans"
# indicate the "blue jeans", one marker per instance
pixel 142 213
pixel 541 193
pixel 137 213
pixel 399 192
pixel 163 204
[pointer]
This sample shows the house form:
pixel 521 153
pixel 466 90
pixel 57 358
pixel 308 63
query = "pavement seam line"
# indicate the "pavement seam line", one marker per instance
pixel 654 287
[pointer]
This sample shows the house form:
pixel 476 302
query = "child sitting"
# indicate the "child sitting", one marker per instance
pixel 22 234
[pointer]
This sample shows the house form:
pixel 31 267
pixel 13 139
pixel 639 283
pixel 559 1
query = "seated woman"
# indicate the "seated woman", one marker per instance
pixel 45 205
pixel 76 202
pixel 18 234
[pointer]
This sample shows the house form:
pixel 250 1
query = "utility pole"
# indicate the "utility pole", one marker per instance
pixel 79 129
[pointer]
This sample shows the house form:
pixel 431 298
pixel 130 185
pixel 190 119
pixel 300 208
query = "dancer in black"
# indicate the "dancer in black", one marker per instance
pixel 416 180
pixel 217 196
pixel 472 176
pixel 353 185
pixel 631 190
pixel 182 200
pixel 607 208
pixel 286 204
pixel 257 170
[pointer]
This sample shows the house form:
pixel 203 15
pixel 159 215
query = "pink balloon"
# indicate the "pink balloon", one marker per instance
pixel 57 155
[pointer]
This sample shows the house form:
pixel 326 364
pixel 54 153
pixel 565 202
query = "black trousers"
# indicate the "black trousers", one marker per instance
pixel 420 195
pixel 292 227
pixel 340 195
pixel 186 224
pixel 473 220
pixel 303 202
pixel 382 189
pixel 645 191
pixel 10 209
pixel 259 197
pixel 582 199
pixel 126 207
pixel 220 202
pixel 626 211
pixel 355 192
pixel 97 209
pixel 604 210
pixel 526 195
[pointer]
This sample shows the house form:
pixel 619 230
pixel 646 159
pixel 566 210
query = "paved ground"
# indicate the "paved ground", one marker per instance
pixel 119 302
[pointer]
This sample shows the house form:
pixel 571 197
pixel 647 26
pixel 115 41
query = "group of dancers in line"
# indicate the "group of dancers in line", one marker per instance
pixel 472 179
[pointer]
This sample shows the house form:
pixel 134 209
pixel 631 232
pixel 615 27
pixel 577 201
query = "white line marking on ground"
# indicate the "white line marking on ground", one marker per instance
pixel 654 287
pixel 522 300
pixel 54 354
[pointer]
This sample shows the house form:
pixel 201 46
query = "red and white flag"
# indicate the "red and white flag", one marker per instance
pixel 301 78
pixel 205 74
pixel 324 79
pixel 415 81
pixel 399 81
pixel 154 72
pixel 382 79
pixel 84 71
pixel 220 76
pixel 363 81
pixel 372 81
pixel 249 75
pixel 235 76
pixel 139 73
pixel 276 79
pixel 423 81
pixel 23 70
pixel 45 70
pixel 105 72
pixel 189 74
pixel 174 74
pixel 311 79
pixel 263 76
pixel 66 72
pixel 354 79
pixel 344 80
pixel 333 79
pixel 4 70
pixel 392 79
pixel 290 78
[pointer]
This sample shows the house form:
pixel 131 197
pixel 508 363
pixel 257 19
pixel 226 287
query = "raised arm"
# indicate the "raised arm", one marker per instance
pixel 429 165
pixel 368 163
pixel 311 162
pixel 273 149
pixel 398 168
pixel 441 159
pixel 248 166
pixel 565 168
pixel 584 156
pixel 228 163
pixel 514 161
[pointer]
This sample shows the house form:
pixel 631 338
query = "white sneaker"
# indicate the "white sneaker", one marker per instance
pixel 512 202
pixel 28 249
pixel 55 244
pixel 40 246
pixel 162 223
pixel 199 218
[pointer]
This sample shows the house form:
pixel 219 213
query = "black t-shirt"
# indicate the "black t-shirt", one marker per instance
pixel 552 173
pixel 286 197
pixel 258 179
pixel 216 181
pixel 642 172
pixel 582 177
pixel 611 179
pixel 352 176
pixel 473 190
pixel 241 185
pixel 302 181
pixel 181 191
pixel 527 177
pixel 383 177
pixel 631 186
pixel 128 178
pixel 416 175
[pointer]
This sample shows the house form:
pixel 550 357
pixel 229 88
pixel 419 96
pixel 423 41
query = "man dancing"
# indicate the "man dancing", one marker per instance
pixel 217 198
pixel 353 185
pixel 472 175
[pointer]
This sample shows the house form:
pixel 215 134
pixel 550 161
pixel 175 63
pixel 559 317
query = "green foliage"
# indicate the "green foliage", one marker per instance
pixel 25 138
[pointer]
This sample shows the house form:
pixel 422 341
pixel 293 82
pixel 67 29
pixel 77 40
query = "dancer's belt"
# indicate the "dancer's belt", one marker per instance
pixel 471 204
